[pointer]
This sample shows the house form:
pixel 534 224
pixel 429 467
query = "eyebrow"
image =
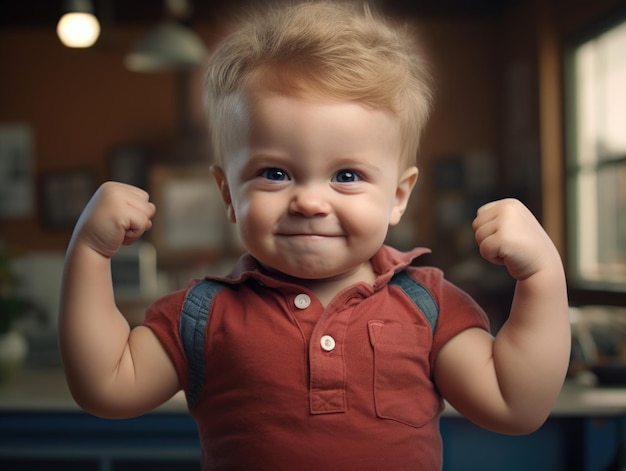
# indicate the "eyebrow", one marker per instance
pixel 348 162
pixel 263 159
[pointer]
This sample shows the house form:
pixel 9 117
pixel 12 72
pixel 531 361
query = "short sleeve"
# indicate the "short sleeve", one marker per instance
pixel 163 318
pixel 457 310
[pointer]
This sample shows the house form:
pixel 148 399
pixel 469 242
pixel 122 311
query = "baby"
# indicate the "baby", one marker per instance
pixel 323 348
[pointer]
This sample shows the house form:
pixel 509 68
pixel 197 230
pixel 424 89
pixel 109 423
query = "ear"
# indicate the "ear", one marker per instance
pixel 222 183
pixel 406 183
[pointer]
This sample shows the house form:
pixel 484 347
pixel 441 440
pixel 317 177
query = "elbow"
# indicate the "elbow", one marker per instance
pixel 97 402
pixel 101 408
pixel 533 422
pixel 524 427
pixel 517 425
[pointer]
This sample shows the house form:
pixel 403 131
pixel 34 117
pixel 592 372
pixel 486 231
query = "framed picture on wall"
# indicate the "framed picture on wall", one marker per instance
pixel 63 196
pixel 190 221
pixel 17 184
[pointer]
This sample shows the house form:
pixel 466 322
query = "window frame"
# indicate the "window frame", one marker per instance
pixel 582 292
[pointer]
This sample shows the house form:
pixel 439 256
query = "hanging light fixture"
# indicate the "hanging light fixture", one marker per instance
pixel 170 46
pixel 78 27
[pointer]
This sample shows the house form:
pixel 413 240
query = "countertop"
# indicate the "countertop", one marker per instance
pixel 45 390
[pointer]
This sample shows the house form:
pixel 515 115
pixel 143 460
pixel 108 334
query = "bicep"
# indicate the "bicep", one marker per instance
pixel 144 378
pixel 156 379
pixel 466 377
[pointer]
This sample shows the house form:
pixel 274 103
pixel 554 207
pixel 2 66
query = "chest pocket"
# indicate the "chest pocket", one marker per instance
pixel 403 389
pixel 197 307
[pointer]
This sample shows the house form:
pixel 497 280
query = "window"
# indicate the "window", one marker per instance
pixel 596 160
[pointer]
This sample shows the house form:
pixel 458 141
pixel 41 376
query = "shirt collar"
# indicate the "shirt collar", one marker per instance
pixel 386 262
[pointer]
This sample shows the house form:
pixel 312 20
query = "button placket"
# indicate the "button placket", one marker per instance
pixel 327 391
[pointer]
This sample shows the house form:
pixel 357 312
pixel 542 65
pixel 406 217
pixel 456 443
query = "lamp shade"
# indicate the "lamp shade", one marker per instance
pixel 169 46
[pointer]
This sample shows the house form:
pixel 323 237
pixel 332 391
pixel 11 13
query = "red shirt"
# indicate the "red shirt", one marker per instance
pixel 291 385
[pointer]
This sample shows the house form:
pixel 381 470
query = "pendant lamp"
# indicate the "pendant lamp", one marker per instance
pixel 78 27
pixel 169 46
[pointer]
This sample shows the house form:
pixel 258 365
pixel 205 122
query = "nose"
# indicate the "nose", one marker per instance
pixel 309 201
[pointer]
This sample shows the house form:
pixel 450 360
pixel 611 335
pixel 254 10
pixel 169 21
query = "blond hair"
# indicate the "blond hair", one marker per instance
pixel 328 48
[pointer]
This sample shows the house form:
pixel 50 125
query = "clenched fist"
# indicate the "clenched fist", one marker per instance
pixel 508 234
pixel 117 214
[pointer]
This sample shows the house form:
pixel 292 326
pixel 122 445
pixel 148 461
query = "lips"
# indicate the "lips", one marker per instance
pixel 308 234
pixel 308 231
pixel 308 237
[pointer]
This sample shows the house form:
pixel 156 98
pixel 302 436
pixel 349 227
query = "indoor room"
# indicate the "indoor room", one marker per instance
pixel 529 103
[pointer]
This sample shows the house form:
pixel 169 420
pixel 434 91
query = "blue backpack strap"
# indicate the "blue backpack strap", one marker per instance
pixel 420 296
pixel 192 327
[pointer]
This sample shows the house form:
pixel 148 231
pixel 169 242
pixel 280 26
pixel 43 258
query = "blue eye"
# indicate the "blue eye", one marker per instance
pixel 275 174
pixel 346 176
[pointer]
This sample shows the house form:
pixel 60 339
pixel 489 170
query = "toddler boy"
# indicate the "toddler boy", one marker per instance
pixel 323 348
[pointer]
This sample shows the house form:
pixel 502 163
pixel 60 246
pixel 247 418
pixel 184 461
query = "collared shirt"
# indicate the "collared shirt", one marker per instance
pixel 291 384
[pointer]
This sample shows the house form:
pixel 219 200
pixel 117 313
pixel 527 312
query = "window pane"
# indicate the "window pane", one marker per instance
pixel 601 96
pixel 597 164
pixel 614 85
pixel 602 230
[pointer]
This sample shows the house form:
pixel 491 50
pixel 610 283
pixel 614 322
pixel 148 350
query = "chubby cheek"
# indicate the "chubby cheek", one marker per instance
pixel 370 220
pixel 254 219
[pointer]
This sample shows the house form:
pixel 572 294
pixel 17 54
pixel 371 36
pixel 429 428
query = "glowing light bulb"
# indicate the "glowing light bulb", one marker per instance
pixel 78 29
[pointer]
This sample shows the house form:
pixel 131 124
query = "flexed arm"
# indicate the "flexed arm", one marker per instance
pixel 111 370
pixel 510 383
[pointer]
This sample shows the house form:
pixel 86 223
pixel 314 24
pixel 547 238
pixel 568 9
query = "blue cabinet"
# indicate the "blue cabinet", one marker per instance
pixel 41 428
pixel 78 441
pixel 69 441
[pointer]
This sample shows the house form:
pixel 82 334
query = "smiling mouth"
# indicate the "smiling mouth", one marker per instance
pixel 306 235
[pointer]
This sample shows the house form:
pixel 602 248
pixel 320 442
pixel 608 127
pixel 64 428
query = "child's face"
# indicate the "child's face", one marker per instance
pixel 313 186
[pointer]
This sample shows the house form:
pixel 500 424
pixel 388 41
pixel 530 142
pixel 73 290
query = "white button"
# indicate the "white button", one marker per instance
pixel 327 343
pixel 302 301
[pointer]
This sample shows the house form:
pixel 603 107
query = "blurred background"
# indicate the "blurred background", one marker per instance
pixel 530 103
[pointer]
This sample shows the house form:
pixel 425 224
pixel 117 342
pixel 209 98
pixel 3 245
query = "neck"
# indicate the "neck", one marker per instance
pixel 325 289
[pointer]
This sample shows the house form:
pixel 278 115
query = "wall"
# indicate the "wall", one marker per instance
pixel 465 63
pixel 80 104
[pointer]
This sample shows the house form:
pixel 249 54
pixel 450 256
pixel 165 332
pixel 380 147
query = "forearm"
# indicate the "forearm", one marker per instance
pixel 531 351
pixel 93 333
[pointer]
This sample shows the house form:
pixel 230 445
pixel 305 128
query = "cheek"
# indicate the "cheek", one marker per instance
pixel 366 218
pixel 253 214
pixel 382 206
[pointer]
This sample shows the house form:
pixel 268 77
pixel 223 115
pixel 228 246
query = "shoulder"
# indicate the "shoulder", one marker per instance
pixel 162 318
pixel 426 275
pixel 457 310
pixel 446 293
